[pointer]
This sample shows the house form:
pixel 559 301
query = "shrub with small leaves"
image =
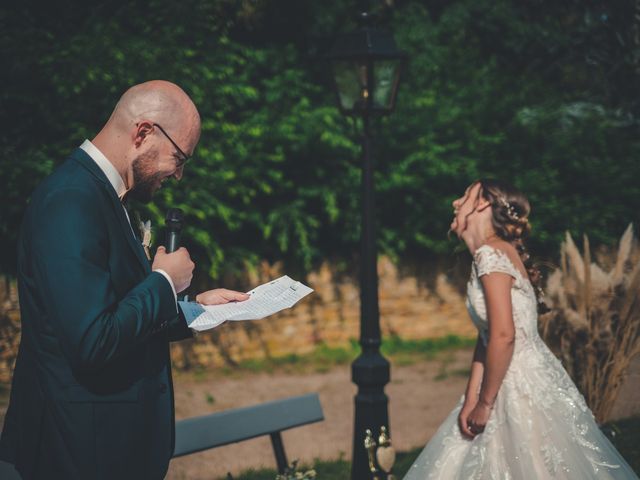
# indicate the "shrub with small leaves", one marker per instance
pixel 292 473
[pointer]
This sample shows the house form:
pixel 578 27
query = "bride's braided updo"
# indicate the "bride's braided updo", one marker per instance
pixel 510 221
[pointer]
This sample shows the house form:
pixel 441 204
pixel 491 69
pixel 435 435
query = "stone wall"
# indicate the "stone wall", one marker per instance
pixel 410 307
pixel 9 328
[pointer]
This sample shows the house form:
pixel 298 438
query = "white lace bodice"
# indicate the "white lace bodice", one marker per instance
pixel 523 299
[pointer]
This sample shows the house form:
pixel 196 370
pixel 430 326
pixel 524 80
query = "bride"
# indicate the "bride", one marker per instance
pixel 521 416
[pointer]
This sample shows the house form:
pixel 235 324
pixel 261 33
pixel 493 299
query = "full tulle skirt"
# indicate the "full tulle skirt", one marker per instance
pixel 540 428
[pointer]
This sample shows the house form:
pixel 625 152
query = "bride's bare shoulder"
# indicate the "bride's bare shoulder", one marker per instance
pixel 510 251
pixel 502 246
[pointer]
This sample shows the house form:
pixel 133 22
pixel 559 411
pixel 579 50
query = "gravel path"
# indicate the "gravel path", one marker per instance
pixel 420 397
pixel 418 403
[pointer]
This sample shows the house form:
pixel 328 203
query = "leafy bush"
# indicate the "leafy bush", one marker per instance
pixel 541 93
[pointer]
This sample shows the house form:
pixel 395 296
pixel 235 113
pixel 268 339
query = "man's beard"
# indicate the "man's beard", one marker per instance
pixel 145 184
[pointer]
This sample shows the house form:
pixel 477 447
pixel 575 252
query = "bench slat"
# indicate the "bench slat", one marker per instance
pixel 8 471
pixel 217 429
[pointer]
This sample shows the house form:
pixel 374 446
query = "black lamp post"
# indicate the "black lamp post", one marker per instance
pixel 366 68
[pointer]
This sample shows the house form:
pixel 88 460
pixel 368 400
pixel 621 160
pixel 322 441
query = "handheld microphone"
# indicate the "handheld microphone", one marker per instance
pixel 173 223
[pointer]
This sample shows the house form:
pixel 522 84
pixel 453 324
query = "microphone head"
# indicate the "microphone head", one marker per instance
pixel 174 219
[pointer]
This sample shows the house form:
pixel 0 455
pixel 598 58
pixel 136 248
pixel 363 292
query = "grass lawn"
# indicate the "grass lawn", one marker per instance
pixel 323 358
pixel 626 438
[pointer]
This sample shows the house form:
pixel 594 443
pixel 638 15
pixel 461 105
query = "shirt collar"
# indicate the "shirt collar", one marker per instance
pixel 106 166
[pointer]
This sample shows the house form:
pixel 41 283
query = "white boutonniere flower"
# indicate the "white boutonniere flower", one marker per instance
pixel 145 235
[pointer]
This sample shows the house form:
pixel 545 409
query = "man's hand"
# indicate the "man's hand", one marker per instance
pixel 220 296
pixel 178 266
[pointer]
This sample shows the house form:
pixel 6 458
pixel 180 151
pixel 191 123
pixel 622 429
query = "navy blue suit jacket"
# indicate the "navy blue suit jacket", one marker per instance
pixel 92 396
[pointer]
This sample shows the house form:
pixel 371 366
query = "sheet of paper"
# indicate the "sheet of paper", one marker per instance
pixel 264 300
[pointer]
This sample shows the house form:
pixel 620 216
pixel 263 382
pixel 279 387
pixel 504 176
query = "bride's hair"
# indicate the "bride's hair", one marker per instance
pixel 510 218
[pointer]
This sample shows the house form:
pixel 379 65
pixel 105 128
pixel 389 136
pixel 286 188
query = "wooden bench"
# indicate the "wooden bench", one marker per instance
pixel 8 472
pixel 231 426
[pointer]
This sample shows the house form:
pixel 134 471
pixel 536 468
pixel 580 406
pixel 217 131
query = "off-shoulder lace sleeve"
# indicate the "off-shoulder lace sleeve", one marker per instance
pixel 488 259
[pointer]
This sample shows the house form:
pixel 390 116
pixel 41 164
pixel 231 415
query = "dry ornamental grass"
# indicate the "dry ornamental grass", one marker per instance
pixel 594 322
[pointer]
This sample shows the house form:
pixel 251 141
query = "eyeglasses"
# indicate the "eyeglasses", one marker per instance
pixel 180 162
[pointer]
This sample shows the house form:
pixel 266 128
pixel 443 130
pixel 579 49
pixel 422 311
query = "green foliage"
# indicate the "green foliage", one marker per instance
pixel 293 473
pixel 395 345
pixel 626 438
pixel 540 93
pixel 519 91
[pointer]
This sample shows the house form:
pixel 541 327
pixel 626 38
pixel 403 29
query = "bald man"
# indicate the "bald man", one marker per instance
pixel 92 396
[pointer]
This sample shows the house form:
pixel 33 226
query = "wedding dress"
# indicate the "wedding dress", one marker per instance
pixel 540 426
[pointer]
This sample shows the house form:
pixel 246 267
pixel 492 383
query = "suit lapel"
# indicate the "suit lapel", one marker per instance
pixel 134 243
pixel 87 162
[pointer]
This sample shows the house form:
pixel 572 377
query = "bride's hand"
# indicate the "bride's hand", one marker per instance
pixel 219 296
pixel 478 418
pixel 467 408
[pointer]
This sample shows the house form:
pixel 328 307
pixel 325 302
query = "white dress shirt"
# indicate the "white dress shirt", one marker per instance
pixel 118 185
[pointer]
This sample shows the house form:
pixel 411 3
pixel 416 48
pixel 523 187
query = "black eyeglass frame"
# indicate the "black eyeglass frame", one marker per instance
pixel 185 157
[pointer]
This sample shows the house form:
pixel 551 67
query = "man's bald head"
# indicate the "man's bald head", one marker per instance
pixel 159 101
pixel 140 138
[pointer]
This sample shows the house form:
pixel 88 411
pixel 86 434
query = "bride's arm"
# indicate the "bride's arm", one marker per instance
pixel 473 386
pixel 497 294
